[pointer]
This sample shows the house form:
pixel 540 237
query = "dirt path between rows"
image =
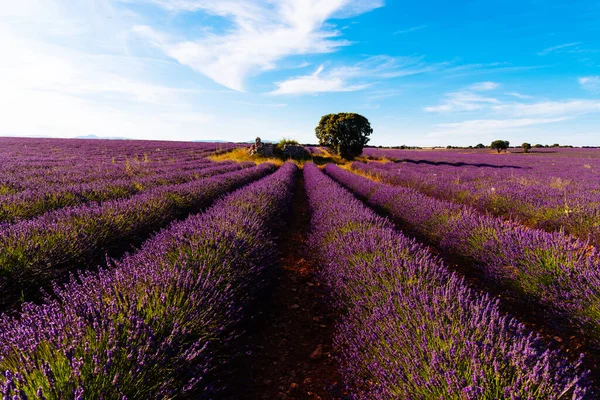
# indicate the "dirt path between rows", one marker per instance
pixel 289 348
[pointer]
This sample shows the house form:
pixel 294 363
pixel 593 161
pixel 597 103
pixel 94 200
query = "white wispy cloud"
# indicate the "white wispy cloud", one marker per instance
pixel 66 72
pixel 499 113
pixel 467 99
pixel 412 29
pixel 354 77
pixel 272 105
pixel 383 94
pixel 519 95
pixel 565 108
pixel 485 126
pixel 317 82
pixel 262 34
pixel 462 101
pixel 558 48
pixel 484 86
pixel 470 70
pixel 591 83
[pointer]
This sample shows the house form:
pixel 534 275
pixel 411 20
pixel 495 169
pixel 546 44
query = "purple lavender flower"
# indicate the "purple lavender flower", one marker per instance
pixel 162 319
pixel 410 327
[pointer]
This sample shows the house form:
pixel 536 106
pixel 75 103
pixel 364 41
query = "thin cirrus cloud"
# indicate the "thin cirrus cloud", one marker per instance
pixel 353 78
pixel 483 86
pixel 519 95
pixel 565 108
pixel 412 29
pixel 479 127
pixel 591 83
pixel 73 94
pixel 317 82
pixel 466 100
pixel 505 114
pixel 559 48
pixel 272 105
pixel 469 100
pixel 72 89
pixel 262 34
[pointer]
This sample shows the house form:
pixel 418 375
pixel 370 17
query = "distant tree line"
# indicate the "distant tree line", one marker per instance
pixel 500 145
pixel 401 147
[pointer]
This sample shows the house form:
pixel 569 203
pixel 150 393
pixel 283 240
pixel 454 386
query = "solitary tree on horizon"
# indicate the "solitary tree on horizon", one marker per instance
pixel 500 145
pixel 345 134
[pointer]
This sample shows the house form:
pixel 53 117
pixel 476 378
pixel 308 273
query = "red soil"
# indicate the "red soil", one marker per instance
pixel 290 353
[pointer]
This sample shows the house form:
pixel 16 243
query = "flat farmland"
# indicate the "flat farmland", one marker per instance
pixel 158 270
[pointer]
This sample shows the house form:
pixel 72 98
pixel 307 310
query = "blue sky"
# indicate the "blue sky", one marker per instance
pixel 424 73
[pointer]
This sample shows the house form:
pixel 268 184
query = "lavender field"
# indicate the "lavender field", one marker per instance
pixel 162 270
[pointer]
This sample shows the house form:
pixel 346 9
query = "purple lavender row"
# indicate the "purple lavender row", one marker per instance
pixel 59 150
pixel 90 170
pixel 44 248
pixel 58 178
pixel 160 322
pixel 411 328
pixel 33 202
pixel 553 269
pixel 548 193
pixel 56 160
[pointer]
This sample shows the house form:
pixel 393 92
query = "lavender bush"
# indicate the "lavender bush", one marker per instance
pixel 48 164
pixel 37 250
pixel 549 192
pixel 157 323
pixel 553 269
pixel 412 329
pixel 32 202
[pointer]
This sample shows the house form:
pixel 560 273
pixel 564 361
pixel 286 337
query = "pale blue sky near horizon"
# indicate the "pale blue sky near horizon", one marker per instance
pixel 427 73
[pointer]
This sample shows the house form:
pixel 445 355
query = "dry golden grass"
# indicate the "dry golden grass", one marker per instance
pixel 241 155
pixel 369 175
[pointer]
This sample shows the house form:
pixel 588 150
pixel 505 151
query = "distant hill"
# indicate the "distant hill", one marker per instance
pixel 263 140
pixel 98 137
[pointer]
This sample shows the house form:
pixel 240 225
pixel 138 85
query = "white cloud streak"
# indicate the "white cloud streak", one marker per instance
pixel 519 95
pixel 565 108
pixel 408 30
pixel 88 84
pixel 559 48
pixel 262 34
pixel 504 115
pixel 353 78
pixel 484 126
pixel 462 101
pixel 466 100
pixel 317 83
pixel 484 86
pixel 591 83
pixel 272 105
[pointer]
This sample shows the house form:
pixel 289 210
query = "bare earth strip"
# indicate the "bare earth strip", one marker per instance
pixel 289 349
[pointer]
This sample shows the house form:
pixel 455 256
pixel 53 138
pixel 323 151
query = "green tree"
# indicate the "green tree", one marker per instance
pixel 344 133
pixel 480 146
pixel 500 145
pixel 526 147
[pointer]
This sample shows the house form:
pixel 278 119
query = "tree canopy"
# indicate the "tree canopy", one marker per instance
pixel 500 145
pixel 344 134
pixel 526 147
